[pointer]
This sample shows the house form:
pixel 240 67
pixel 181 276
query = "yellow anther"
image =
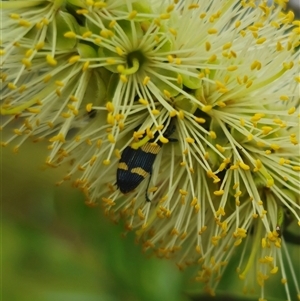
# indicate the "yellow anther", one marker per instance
pixel 111 138
pixel 87 34
pixel 132 15
pixel 106 162
pixel 244 166
pixel 141 214
pixel 255 65
pixel 109 106
pixel 89 2
pixel 249 83
pixel 212 58
pixel 177 61
pixel 112 23
pixel 123 78
pixel 106 33
pixel 213 135
pixel 291 110
pixel 288 65
pixel 237 24
pixel 257 117
pixel 11 86
pixel 181 114
pixel 73 98
pixel 39 45
pixel 86 66
pixel 82 11
pixel 110 118
pixel 173 31
pixel 281 161
pixel 284 97
pixel 163 139
pixel 170 8
pixel 165 16
pixel 143 101
pixel 193 6
pixel 266 129
pixel 51 60
pixel 183 192
pixel 199 120
pixel 29 52
pixel 14 16
pixel 232 68
pixel 155 112
pixel 89 107
pixel 73 59
pixel 167 94
pixel 70 34
pixel 274 270
pixel 206 108
pixel 60 137
pixel 146 80
pixel 275 146
pixel 219 192
pixel 227 46
pixel 24 23
pixel 220 148
pixel 189 140
pixel 212 31
pixel 173 113
pixel 207 46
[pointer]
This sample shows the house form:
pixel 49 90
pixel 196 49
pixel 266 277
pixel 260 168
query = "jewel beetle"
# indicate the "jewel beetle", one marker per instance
pixel 136 163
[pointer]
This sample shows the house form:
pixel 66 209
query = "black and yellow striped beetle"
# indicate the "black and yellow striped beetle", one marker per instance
pixel 137 160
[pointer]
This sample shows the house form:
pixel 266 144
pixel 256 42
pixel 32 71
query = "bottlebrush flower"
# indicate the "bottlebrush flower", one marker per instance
pixel 97 77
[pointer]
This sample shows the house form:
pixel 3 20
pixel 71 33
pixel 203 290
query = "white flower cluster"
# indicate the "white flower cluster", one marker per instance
pixel 95 78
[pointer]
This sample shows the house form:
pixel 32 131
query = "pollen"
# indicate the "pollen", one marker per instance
pixel 132 15
pixel 220 148
pixel 73 59
pixel 87 34
pixel 189 140
pixel 146 80
pixel 275 146
pixel 109 106
pixel 244 166
pixel 173 31
pixel 70 35
pixel 213 135
pixel 207 46
pixel 261 40
pixel 85 66
pixel 219 192
pixel 232 68
pixel 291 110
pixel 24 23
pixel 11 86
pixel 155 112
pixel 163 139
pixel 206 108
pixel 266 130
pixel 212 31
pixel 82 11
pixel 51 60
pixel 200 120
pixel 60 137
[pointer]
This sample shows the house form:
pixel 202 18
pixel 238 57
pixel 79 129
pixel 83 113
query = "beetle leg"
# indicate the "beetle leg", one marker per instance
pixel 146 194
